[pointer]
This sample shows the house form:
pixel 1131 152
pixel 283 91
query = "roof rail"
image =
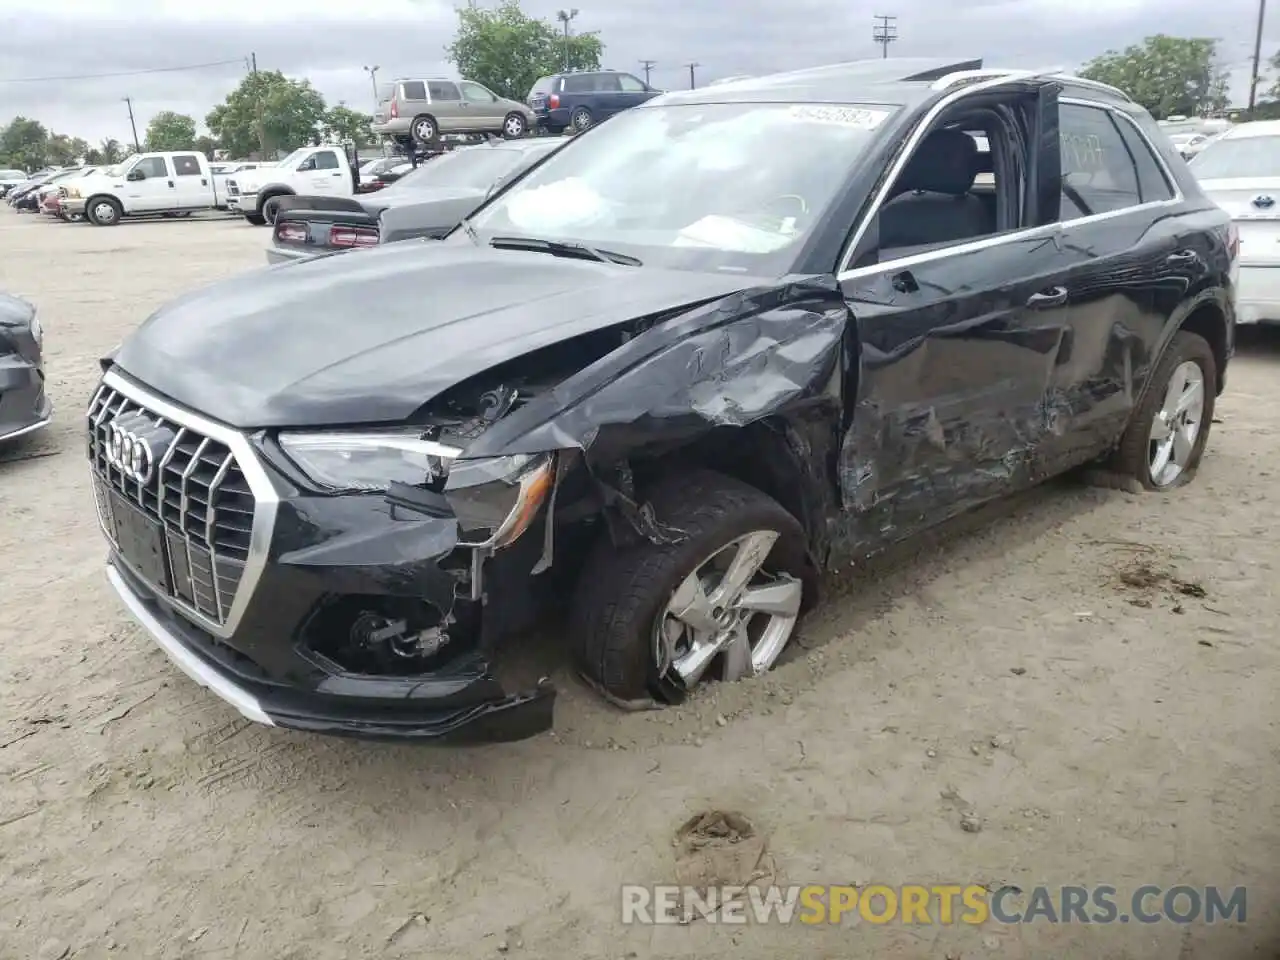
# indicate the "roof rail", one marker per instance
pixel 972 76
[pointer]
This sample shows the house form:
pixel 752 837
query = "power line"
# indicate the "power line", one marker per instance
pixel 884 33
pixel 123 73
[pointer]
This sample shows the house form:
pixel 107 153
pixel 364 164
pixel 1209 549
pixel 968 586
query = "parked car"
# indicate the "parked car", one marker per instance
pixel 658 383
pixel 10 178
pixel 424 204
pixel 24 405
pixel 224 171
pixel 28 197
pixel 1190 144
pixel 323 171
pixel 1240 172
pixel 379 165
pixel 143 185
pixel 579 100
pixel 421 110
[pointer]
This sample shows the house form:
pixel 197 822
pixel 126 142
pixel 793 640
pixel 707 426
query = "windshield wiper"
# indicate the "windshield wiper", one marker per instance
pixel 561 248
pixel 465 224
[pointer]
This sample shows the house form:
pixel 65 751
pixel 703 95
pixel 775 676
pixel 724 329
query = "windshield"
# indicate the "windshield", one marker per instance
pixel 730 186
pixel 469 169
pixel 293 159
pixel 1238 157
pixel 121 168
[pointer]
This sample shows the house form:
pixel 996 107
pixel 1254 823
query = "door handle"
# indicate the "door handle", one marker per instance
pixel 1049 297
pixel 905 282
pixel 204 183
pixel 1183 258
pixel 170 184
pixel 336 174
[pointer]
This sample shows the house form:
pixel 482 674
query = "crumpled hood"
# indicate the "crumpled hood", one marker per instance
pixel 369 336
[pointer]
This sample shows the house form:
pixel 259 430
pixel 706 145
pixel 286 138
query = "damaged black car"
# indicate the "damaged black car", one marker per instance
pixel 25 407
pixel 727 341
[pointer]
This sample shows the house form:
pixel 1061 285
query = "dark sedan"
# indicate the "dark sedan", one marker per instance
pixel 24 405
pixel 424 204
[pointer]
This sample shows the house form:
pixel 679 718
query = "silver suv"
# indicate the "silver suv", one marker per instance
pixel 423 110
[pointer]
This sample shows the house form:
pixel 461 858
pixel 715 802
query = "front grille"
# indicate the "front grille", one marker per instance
pixel 198 494
pixel 233 189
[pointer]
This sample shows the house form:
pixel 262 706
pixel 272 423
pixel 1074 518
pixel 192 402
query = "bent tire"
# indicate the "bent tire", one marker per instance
pixel 103 211
pixel 652 620
pixel 1162 446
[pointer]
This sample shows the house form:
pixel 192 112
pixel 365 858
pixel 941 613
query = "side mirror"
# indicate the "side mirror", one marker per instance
pixel 137 174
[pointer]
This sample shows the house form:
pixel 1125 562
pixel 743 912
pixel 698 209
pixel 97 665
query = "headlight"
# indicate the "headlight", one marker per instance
pixel 73 193
pixel 494 499
pixel 37 332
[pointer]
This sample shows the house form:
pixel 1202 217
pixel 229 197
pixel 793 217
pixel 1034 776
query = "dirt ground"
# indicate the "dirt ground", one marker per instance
pixel 1050 671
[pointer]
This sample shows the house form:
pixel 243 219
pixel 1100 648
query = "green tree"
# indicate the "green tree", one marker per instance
pixel 206 145
pixel 507 51
pixel 24 143
pixel 266 113
pixel 111 151
pixel 64 151
pixel 1167 75
pixel 171 131
pixel 341 123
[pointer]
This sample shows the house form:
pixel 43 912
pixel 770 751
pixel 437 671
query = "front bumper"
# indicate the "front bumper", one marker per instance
pixel 24 405
pixel 243 203
pixel 73 205
pixel 1258 294
pixel 312 562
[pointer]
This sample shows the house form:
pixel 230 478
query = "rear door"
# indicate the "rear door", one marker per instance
pixel 192 183
pixel 608 95
pixel 484 110
pixel 447 107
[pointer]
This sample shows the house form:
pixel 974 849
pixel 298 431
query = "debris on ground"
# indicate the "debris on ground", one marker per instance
pixel 1143 575
pixel 716 849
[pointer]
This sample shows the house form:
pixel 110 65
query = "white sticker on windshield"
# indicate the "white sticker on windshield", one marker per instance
pixel 861 118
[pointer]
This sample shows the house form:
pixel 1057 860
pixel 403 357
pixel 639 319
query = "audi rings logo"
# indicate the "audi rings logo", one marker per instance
pixel 129 452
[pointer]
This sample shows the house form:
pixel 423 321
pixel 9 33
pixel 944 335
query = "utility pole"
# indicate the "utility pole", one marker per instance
pixel 1257 57
pixel 884 33
pixel 647 65
pixel 692 67
pixel 373 79
pixel 133 126
pixel 565 17
pixel 262 127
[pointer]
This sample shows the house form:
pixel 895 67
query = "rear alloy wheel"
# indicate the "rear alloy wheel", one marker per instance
pixel 1166 436
pixel 722 603
pixel 424 130
pixel 581 119
pixel 104 211
pixel 514 126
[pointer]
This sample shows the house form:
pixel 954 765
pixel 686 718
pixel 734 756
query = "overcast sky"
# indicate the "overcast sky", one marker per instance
pixel 328 42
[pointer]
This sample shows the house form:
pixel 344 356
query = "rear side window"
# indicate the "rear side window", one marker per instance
pixel 413 90
pixel 543 85
pixel 608 83
pixel 443 90
pixel 1098 172
pixel 1153 185
pixel 579 83
pixel 185 165
pixel 326 160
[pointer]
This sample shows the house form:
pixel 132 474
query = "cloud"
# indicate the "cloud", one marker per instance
pixel 329 42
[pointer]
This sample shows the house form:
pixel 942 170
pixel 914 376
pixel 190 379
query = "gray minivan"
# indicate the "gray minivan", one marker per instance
pixel 423 110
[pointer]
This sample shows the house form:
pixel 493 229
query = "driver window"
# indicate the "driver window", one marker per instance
pixel 476 93
pixel 153 167
pixel 307 164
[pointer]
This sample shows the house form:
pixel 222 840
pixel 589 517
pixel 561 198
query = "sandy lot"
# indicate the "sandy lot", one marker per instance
pixel 1096 731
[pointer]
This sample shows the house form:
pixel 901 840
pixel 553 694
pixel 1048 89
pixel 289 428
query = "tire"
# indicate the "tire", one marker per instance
pixel 514 126
pixel 270 207
pixel 624 590
pixel 103 211
pixel 581 119
pixel 256 219
pixel 424 129
pixel 1136 455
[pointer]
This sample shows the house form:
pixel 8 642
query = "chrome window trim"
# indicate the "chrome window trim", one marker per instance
pixel 1013 236
pixel 266 498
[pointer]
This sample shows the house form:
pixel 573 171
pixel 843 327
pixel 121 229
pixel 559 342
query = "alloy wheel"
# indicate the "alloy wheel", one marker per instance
pixel 1177 424
pixel 728 610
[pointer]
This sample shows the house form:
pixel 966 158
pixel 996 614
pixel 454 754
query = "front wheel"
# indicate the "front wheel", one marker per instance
pixel 256 219
pixel 104 211
pixel 1165 440
pixel 514 126
pixel 270 209
pixel 721 603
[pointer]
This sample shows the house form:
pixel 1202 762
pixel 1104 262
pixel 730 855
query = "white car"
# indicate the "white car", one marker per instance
pixel 1190 144
pixel 224 170
pixel 1240 171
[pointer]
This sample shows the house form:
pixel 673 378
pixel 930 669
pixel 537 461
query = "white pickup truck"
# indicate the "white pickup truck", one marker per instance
pixel 144 185
pixel 320 171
